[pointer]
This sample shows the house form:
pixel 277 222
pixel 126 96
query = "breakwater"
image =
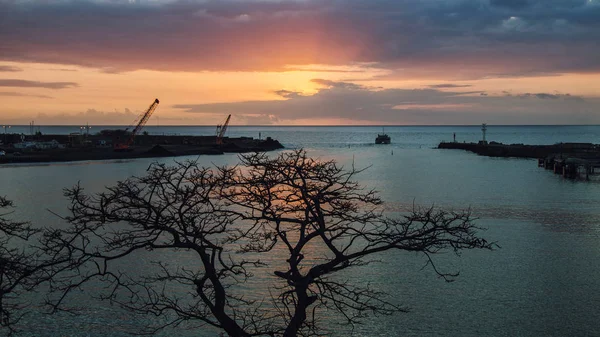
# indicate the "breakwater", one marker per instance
pixel 571 160
pixel 78 147
pixel 493 149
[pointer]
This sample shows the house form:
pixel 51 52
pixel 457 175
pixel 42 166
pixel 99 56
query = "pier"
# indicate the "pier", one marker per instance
pixel 571 160
pixel 572 168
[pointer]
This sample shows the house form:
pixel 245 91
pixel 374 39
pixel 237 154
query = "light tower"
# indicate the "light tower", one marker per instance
pixel 483 130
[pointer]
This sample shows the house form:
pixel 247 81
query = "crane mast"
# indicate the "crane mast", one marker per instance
pixel 144 118
pixel 221 130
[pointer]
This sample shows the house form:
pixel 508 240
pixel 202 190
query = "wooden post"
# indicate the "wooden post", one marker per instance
pixel 587 172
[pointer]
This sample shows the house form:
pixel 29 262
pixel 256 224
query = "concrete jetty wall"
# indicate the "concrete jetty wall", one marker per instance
pixel 493 149
pixel 571 160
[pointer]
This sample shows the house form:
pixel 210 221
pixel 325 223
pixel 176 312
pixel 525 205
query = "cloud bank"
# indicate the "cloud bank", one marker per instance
pixel 350 102
pixel 20 94
pixel 9 69
pixel 36 84
pixel 448 39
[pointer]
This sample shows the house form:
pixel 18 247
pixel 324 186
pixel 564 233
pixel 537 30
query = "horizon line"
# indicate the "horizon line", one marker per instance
pixel 305 125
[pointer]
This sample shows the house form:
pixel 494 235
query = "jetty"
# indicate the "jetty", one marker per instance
pixel 82 147
pixel 571 160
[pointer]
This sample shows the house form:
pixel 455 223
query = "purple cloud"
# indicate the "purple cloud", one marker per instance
pixel 437 39
pixel 10 69
pixel 20 94
pixel 36 84
pixel 343 101
pixel 448 86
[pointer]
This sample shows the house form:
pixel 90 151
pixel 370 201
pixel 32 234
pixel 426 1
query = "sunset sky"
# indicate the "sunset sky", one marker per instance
pixel 305 62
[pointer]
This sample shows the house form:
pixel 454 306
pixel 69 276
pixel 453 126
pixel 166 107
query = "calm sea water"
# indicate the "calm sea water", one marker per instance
pixel 543 281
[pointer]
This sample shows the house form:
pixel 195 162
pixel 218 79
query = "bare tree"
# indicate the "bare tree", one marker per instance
pixel 229 219
pixel 172 210
pixel 329 223
pixel 24 265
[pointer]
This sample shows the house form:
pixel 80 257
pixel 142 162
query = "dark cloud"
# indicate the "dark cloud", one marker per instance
pixel 20 94
pixel 437 39
pixel 36 84
pixel 468 93
pixel 10 69
pixel 543 95
pixel 287 93
pixel 414 106
pixel 448 85
pixel 334 84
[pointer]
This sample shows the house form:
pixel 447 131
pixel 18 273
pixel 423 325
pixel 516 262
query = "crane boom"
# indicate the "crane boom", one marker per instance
pixel 221 130
pixel 143 119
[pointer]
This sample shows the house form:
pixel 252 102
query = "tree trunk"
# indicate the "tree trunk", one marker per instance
pixel 300 313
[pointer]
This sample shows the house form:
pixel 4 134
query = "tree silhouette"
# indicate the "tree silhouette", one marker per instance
pixel 298 219
pixel 327 223
pixel 25 264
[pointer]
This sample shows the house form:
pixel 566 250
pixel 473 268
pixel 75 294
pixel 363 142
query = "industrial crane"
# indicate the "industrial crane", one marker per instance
pixel 221 130
pixel 143 119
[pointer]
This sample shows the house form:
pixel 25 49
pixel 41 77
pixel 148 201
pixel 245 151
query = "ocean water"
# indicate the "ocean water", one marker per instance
pixel 344 136
pixel 543 281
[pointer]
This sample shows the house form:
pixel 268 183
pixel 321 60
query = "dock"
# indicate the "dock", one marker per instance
pixel 571 160
pixel 571 167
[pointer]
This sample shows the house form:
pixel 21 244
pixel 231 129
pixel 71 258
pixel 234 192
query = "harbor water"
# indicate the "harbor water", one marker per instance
pixel 542 281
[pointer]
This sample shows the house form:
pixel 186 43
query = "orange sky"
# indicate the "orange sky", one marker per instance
pixel 264 62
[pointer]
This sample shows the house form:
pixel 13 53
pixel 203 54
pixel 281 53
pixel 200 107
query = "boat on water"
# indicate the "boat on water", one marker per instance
pixel 383 138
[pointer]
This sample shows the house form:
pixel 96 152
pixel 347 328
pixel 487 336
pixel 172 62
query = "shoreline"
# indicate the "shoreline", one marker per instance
pixel 95 147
